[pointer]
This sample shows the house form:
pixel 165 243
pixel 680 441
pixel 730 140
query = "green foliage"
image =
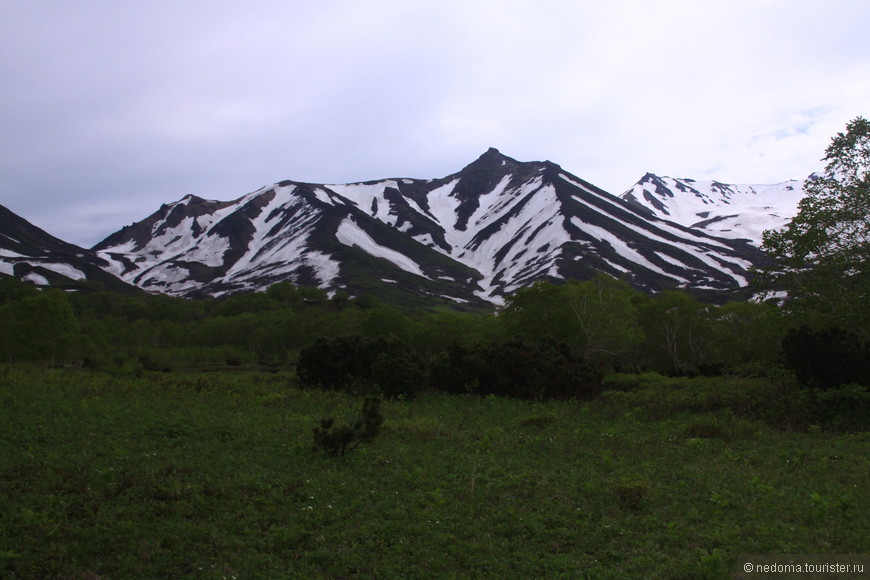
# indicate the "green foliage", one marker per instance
pixel 844 407
pixel 605 323
pixel 338 439
pixel 631 491
pixel 383 322
pixel 606 313
pixel 516 367
pixel 598 318
pixel 679 333
pixel 348 362
pixel 538 421
pixel 398 371
pixel 745 337
pixel 11 288
pixel 778 402
pixel 724 425
pixel 822 256
pixel 284 292
pixel 539 311
pixel 212 475
pixel 40 328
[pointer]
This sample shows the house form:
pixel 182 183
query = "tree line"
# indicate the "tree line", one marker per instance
pixel 603 321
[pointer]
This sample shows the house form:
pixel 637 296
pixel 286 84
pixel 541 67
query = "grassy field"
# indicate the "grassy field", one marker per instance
pixel 214 476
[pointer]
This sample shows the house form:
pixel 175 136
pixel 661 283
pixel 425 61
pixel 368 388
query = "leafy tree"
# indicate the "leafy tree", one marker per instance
pixel 821 257
pixel 385 321
pixel 746 335
pixel 606 318
pixel 597 318
pixel 538 311
pixel 12 288
pixel 678 332
pixel 284 292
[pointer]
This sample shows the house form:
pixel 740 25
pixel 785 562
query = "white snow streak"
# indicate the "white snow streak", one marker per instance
pixel 4 253
pixel 350 234
pixel 621 247
pixel 62 269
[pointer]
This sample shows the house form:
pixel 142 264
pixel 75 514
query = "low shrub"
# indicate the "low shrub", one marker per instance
pixel 631 492
pixel 723 426
pixel 538 421
pixel 844 408
pixel 421 428
pixel 338 439
pixel 777 400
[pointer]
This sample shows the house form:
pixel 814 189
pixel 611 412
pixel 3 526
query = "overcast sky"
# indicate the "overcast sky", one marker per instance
pixel 110 108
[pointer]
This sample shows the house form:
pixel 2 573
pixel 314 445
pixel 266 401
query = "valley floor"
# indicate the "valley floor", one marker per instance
pixel 214 476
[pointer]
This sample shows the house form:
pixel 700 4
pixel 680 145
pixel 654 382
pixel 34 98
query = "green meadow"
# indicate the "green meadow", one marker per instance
pixel 214 475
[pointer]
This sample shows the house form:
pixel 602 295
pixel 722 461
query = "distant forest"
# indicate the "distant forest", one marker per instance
pixel 604 322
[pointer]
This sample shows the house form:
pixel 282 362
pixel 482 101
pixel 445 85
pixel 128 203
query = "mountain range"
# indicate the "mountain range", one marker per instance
pixel 472 237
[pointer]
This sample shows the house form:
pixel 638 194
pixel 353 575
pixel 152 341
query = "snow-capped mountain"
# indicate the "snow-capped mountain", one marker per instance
pixel 35 256
pixel 719 209
pixel 474 236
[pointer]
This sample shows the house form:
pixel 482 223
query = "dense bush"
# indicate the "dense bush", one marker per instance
pixel 347 362
pixel 822 359
pixel 845 407
pixel 515 367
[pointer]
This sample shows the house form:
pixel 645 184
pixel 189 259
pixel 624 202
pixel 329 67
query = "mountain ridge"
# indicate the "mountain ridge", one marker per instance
pixel 470 238
pixel 474 236
pixel 33 255
pixel 721 209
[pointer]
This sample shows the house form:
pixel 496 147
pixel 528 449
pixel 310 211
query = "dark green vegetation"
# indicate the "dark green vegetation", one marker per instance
pixel 584 430
pixel 149 437
pixel 823 257
pixel 214 476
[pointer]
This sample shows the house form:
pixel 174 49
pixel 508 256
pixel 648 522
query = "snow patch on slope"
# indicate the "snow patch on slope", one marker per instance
pixel 350 234
pixel 36 279
pixel 724 210
pixel 62 269
pixel 369 198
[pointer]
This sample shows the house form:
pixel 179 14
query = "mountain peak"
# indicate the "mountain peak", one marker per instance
pixel 492 158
